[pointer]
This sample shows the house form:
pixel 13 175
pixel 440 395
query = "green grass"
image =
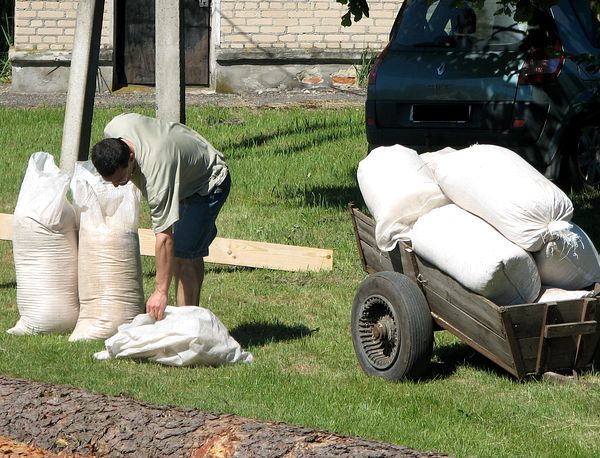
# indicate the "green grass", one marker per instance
pixel 7 25
pixel 293 174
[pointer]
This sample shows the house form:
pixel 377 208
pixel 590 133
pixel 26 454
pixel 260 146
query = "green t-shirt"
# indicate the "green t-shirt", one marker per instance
pixel 174 162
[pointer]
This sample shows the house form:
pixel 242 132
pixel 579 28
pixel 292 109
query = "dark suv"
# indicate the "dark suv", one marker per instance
pixel 457 72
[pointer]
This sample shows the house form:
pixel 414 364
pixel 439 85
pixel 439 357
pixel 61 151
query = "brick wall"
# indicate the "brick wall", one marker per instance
pixel 253 43
pixel 303 24
pixel 244 24
pixel 50 25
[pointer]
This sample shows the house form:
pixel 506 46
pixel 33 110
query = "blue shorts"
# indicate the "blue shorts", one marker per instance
pixel 196 228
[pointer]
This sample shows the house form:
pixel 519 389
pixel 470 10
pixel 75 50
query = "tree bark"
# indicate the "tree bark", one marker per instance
pixel 72 421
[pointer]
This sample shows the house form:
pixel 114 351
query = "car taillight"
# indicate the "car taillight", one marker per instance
pixel 542 65
pixel 376 64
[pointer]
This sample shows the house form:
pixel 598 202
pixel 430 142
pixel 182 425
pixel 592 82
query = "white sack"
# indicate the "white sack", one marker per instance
pixel 397 187
pixel 432 158
pixel 186 336
pixel 476 255
pixel 499 186
pixel 549 294
pixel 110 272
pixel 45 250
pixel 569 262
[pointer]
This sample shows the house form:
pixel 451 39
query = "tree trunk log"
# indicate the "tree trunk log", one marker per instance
pixel 72 421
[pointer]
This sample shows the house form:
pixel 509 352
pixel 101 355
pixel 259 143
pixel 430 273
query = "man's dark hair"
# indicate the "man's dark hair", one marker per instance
pixel 110 154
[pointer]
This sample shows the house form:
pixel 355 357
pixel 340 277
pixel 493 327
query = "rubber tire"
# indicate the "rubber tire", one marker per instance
pixel 406 306
pixel 584 155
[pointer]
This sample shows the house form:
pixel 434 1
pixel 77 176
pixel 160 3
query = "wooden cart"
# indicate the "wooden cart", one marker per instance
pixel 404 299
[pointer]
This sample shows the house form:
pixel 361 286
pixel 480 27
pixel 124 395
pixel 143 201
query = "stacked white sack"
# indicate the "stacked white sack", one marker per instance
pixel 476 255
pixel 186 336
pixel 570 262
pixel 45 250
pixel 110 273
pixel 432 158
pixel 397 187
pixel 499 186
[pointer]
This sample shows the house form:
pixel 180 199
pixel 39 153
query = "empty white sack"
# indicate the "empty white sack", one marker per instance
pixel 476 255
pixel 499 186
pixel 397 187
pixel 186 336
pixel 45 250
pixel 550 294
pixel 109 267
pixel 569 262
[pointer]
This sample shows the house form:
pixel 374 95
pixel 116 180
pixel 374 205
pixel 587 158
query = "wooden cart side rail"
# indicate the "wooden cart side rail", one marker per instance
pixel 491 343
pixel 507 364
pixel 360 234
pixel 372 258
pixel 477 307
pixel 471 317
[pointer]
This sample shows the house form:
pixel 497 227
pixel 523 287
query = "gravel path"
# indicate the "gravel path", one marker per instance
pixel 142 96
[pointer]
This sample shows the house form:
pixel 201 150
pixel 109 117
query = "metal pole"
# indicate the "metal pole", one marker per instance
pixel 170 61
pixel 82 84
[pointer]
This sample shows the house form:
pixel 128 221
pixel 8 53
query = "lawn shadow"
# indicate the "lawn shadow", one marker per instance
pixel 271 142
pixel 8 285
pixel 331 196
pixel 448 358
pixel 258 333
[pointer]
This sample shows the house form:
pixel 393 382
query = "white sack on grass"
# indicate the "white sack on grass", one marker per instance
pixel 571 264
pixel 45 250
pixel 549 294
pixel 397 187
pixel 476 255
pixel 499 186
pixel 186 336
pixel 110 273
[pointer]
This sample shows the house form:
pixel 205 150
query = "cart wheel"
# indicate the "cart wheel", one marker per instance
pixel 392 329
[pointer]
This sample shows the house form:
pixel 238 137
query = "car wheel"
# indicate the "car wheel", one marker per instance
pixel 584 158
pixel 392 328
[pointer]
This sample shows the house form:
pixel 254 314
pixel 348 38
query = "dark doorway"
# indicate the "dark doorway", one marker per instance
pixel 135 44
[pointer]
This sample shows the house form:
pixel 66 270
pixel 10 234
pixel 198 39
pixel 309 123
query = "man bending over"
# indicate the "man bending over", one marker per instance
pixel 185 181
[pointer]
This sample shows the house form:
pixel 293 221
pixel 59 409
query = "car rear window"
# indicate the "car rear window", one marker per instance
pixel 457 24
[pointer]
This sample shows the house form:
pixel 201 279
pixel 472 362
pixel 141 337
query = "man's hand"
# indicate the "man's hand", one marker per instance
pixel 156 305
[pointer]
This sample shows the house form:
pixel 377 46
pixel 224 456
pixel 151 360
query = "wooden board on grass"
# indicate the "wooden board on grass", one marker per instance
pixel 245 253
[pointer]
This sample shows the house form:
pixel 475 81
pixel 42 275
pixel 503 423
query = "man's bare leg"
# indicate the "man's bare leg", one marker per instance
pixel 189 275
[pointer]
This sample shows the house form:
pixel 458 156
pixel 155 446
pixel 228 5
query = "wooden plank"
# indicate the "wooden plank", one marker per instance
pixel 234 252
pixel 548 317
pixel 255 254
pixel 513 344
pixel 588 346
pixel 528 318
pixel 553 331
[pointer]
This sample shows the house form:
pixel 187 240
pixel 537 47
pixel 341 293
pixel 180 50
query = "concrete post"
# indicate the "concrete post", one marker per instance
pixel 170 61
pixel 82 84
